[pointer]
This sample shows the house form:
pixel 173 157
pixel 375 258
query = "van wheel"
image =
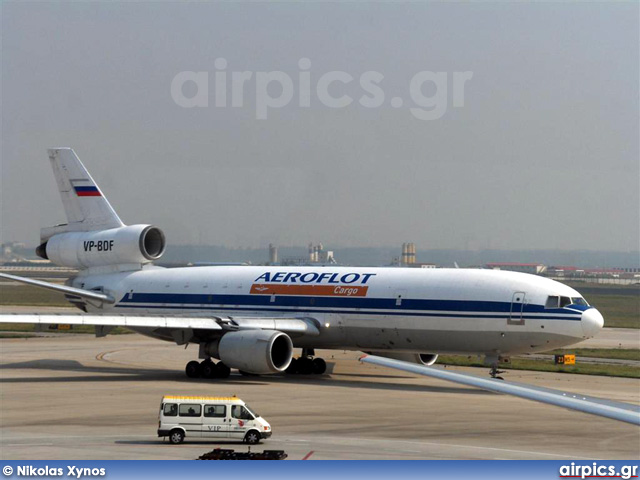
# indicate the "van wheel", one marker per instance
pixel 176 436
pixel 252 437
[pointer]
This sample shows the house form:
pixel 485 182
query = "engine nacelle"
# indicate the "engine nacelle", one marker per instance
pixel 135 244
pixel 256 351
pixel 419 358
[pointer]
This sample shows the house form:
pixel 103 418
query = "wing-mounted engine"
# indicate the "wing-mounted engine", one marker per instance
pixel 253 351
pixel 134 244
pixel 419 358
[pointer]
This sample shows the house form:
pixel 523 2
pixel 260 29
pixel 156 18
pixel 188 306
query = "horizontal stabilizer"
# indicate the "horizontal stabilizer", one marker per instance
pixel 616 410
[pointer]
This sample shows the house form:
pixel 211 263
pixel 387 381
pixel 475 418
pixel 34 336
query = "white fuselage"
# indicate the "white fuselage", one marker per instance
pixel 370 309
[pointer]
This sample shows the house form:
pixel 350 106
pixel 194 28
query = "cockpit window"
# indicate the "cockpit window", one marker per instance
pixel 564 301
pixel 579 301
pixel 555 301
pixel 552 302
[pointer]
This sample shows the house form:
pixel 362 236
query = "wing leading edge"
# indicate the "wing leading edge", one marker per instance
pixel 615 410
pixel 291 326
pixel 100 297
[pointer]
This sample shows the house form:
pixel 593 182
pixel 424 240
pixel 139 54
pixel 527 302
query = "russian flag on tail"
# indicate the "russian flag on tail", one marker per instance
pixel 91 191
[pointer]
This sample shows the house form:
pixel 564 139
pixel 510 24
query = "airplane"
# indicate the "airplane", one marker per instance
pixel 251 318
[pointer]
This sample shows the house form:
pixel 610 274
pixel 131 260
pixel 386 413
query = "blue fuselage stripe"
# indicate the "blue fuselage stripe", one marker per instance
pixel 345 305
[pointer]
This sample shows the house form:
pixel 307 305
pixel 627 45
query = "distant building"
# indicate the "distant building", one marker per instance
pixel 408 254
pixel 11 252
pixel 568 271
pixel 273 254
pixel 317 254
pixel 564 271
pixel 534 268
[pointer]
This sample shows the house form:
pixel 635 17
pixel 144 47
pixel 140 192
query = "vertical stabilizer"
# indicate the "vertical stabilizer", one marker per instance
pixel 86 207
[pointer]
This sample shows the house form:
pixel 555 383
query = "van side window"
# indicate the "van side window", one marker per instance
pixel 170 409
pixel 216 411
pixel 238 411
pixel 190 410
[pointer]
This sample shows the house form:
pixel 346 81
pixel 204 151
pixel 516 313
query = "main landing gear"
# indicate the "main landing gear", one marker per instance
pixel 306 364
pixel 207 369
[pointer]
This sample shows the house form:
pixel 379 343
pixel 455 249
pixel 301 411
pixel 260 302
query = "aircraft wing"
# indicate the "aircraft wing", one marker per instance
pixel 292 326
pixel 623 412
pixel 151 321
pixel 91 295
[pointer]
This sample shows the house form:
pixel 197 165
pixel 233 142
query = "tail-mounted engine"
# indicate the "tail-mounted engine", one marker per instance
pixel 134 244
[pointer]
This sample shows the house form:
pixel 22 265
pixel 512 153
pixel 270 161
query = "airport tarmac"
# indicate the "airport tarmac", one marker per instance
pixel 73 396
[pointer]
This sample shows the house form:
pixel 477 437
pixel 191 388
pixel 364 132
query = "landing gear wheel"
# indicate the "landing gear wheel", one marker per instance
pixel 252 437
pixel 319 366
pixel 193 369
pixel 293 367
pixel 208 369
pixel 305 365
pixel 176 436
pixel 222 371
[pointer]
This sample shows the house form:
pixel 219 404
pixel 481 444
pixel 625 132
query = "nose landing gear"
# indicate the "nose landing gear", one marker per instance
pixel 495 373
pixel 494 361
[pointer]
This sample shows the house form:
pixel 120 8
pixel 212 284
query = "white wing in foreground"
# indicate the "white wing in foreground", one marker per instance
pixel 623 412
pixel 114 321
pixel 292 326
pixel 100 297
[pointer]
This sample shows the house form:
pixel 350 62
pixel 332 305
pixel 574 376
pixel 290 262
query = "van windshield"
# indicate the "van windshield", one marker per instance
pixel 251 411
pixel 241 413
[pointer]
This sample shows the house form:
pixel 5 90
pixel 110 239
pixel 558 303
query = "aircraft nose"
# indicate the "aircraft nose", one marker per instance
pixel 592 322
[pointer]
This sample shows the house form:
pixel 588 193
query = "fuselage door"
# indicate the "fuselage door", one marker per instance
pixel 517 306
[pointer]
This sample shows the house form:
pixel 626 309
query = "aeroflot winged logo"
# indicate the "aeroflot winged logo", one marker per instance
pixel 312 283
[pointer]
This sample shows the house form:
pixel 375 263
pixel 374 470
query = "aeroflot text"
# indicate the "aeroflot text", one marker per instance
pixel 72 471
pixel 314 277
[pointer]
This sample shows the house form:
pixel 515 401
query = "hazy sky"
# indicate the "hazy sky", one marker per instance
pixel 544 153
